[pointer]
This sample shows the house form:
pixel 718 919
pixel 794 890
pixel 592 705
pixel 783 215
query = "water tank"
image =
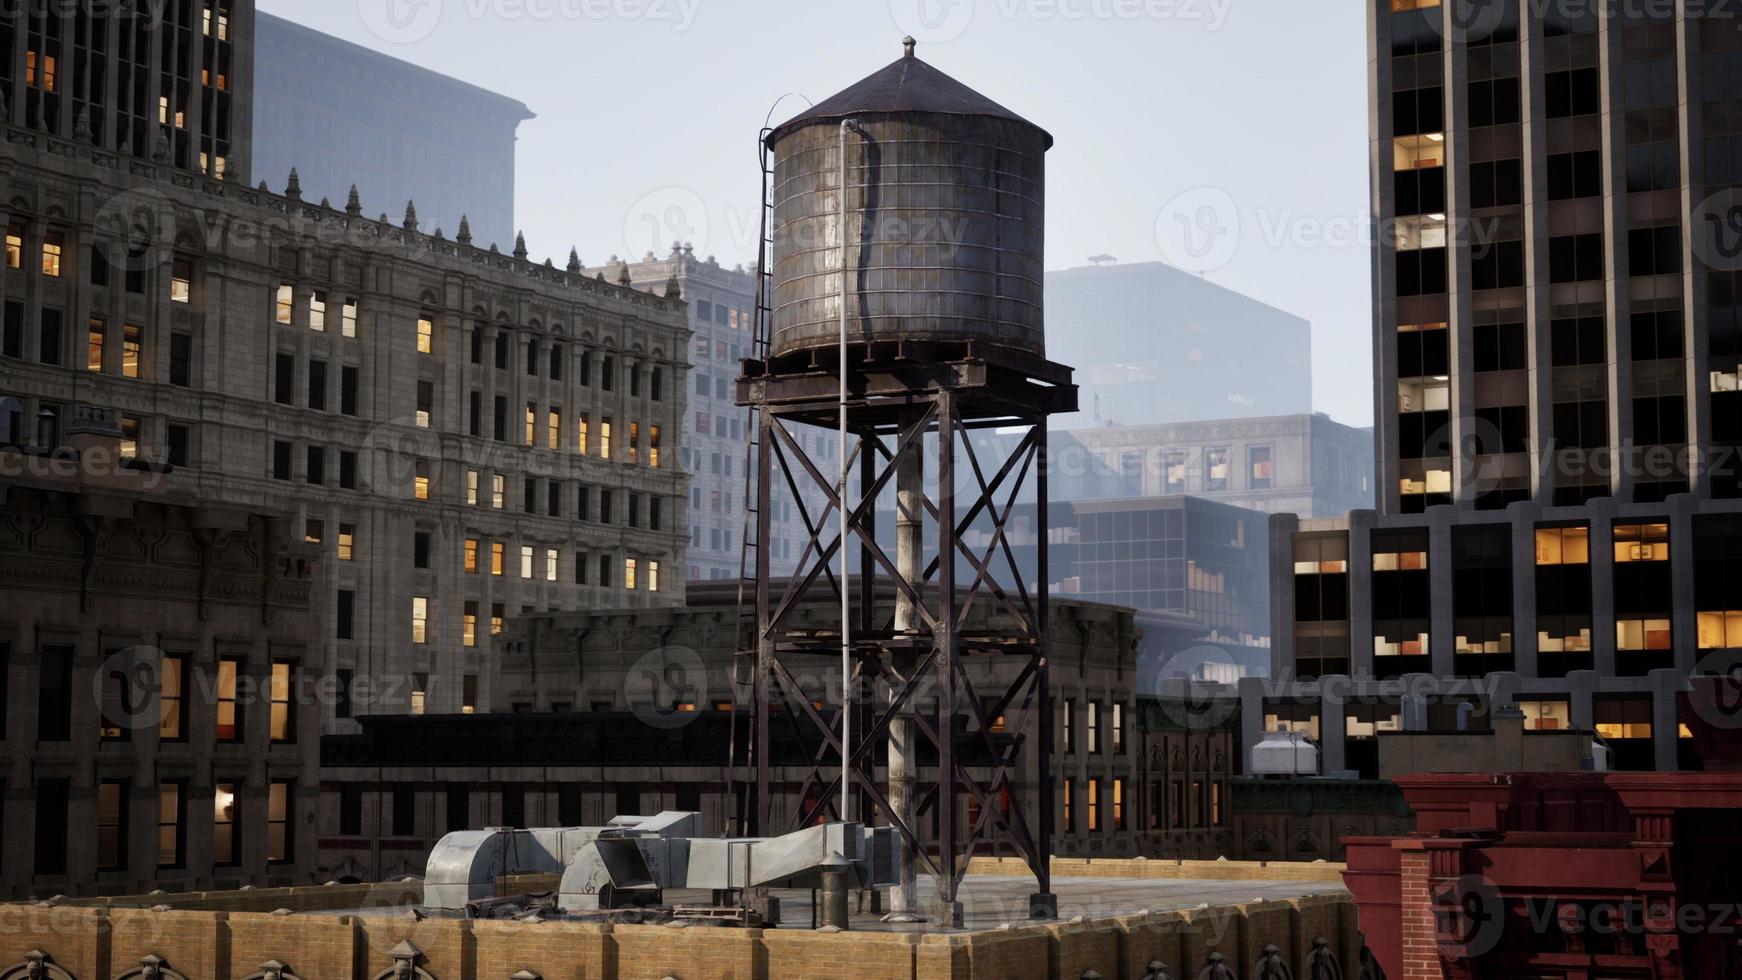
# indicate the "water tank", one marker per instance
pixel 945 216
pixel 1285 754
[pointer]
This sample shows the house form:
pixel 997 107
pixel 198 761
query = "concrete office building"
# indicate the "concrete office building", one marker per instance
pixel 159 656
pixel 167 83
pixel 722 306
pixel 1294 464
pixel 1152 344
pixel 467 435
pixel 1555 340
pixel 346 116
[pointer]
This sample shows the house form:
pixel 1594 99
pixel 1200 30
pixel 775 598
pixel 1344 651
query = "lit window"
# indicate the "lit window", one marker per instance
pixel 526 561
pixel 229 714
pixel 1424 151
pixel 653 576
pixel 550 564
pixel 555 428
pixel 422 486
pixel 132 347
pixel 471 560
pixel 425 335
pixel 653 446
pixel 1094 802
pixel 469 625
pixel 472 478
pixel 581 435
pixel 129 437
pixel 181 281
pixel 347 542
pixel 169 695
pixel 1563 546
pixel 1636 635
pixel 496 619
pixel 498 558
pixel 51 255
pixel 1720 630
pixel 15 246
pixel 94 345
pixel 1546 716
pixel 278 823
pixel 605 439
pixel 633 456
pixel 419 695
pixel 284 303
pixel 44 79
pixel 317 310
pixel 169 825
pixel 419 619
pixel 348 319
pixel 1641 543
pixel 224 824
pixel 498 491
pixel 282 730
pixel 531 424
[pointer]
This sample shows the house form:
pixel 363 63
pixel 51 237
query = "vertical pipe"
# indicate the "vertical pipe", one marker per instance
pixel 910 567
pixel 948 785
pixel 1043 905
pixel 841 489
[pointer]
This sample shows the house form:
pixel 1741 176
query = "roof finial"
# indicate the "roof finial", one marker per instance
pixel 465 235
pixel 907 44
pixel 354 202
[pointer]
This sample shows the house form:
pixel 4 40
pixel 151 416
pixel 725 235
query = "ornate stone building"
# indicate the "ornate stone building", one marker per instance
pixel 160 661
pixel 466 435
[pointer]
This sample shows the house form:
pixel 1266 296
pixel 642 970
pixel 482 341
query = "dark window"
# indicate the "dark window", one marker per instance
pixel 1416 111
pixel 284 379
pixel 1578 341
pixel 1502 430
pixel 12 343
pixel 317 466
pixel 477 343
pixel 1582 425
pixel 501 421
pixel 1500 347
pixel 628 800
pixel 568 805
pixel 1401 603
pixel 1572 175
pixel 607 373
pixel 475 414
pixel 1575 258
pixel 556 362
pixel 347 610
pixel 404 810
pixel 513 805
pixel 351 809
pixel 502 350
pixel 1494 102
pixel 1657 335
pixel 420 549
pixel 1660 421
pixel 100 263
pixel 50 350
pixel 1493 185
pixel 347 469
pixel 459 807
pixel 1656 167
pixel 1571 93
pixel 317 385
pixel 1482 599
pixel 342 696
pixel 348 391
pixel 54 707
pixel 1654 251
pixel 1496 265
pixel 176 441
pixel 51 826
pixel 181 357
pixel 656 384
pixel 1421 272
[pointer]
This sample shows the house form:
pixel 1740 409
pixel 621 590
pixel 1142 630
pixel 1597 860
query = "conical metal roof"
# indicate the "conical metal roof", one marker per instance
pixel 906 85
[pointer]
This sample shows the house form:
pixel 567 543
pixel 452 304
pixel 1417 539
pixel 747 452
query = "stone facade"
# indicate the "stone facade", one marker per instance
pixel 160 657
pixel 467 435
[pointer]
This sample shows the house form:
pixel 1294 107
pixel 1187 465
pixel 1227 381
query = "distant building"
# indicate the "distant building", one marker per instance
pixel 722 305
pixel 1152 344
pixel 342 114
pixel 1295 464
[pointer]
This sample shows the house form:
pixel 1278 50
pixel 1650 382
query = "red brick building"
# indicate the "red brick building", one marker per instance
pixel 1559 876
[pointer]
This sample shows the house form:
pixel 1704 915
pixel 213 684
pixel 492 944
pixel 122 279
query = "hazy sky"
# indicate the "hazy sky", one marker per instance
pixel 1225 136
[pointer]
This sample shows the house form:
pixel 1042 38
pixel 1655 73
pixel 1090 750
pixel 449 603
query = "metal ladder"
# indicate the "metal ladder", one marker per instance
pixel 744 657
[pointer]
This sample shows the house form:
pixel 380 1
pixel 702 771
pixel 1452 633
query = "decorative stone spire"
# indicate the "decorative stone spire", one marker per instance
pixel 326 203
pixel 5 110
pixel 410 215
pixel 82 125
pixel 600 275
pixel 574 260
pixel 354 203
pixel 520 246
pixel 160 150
pixel 673 290
pixel 293 187
pixel 465 235
pixel 438 233
pixel 265 188
pixel 623 275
